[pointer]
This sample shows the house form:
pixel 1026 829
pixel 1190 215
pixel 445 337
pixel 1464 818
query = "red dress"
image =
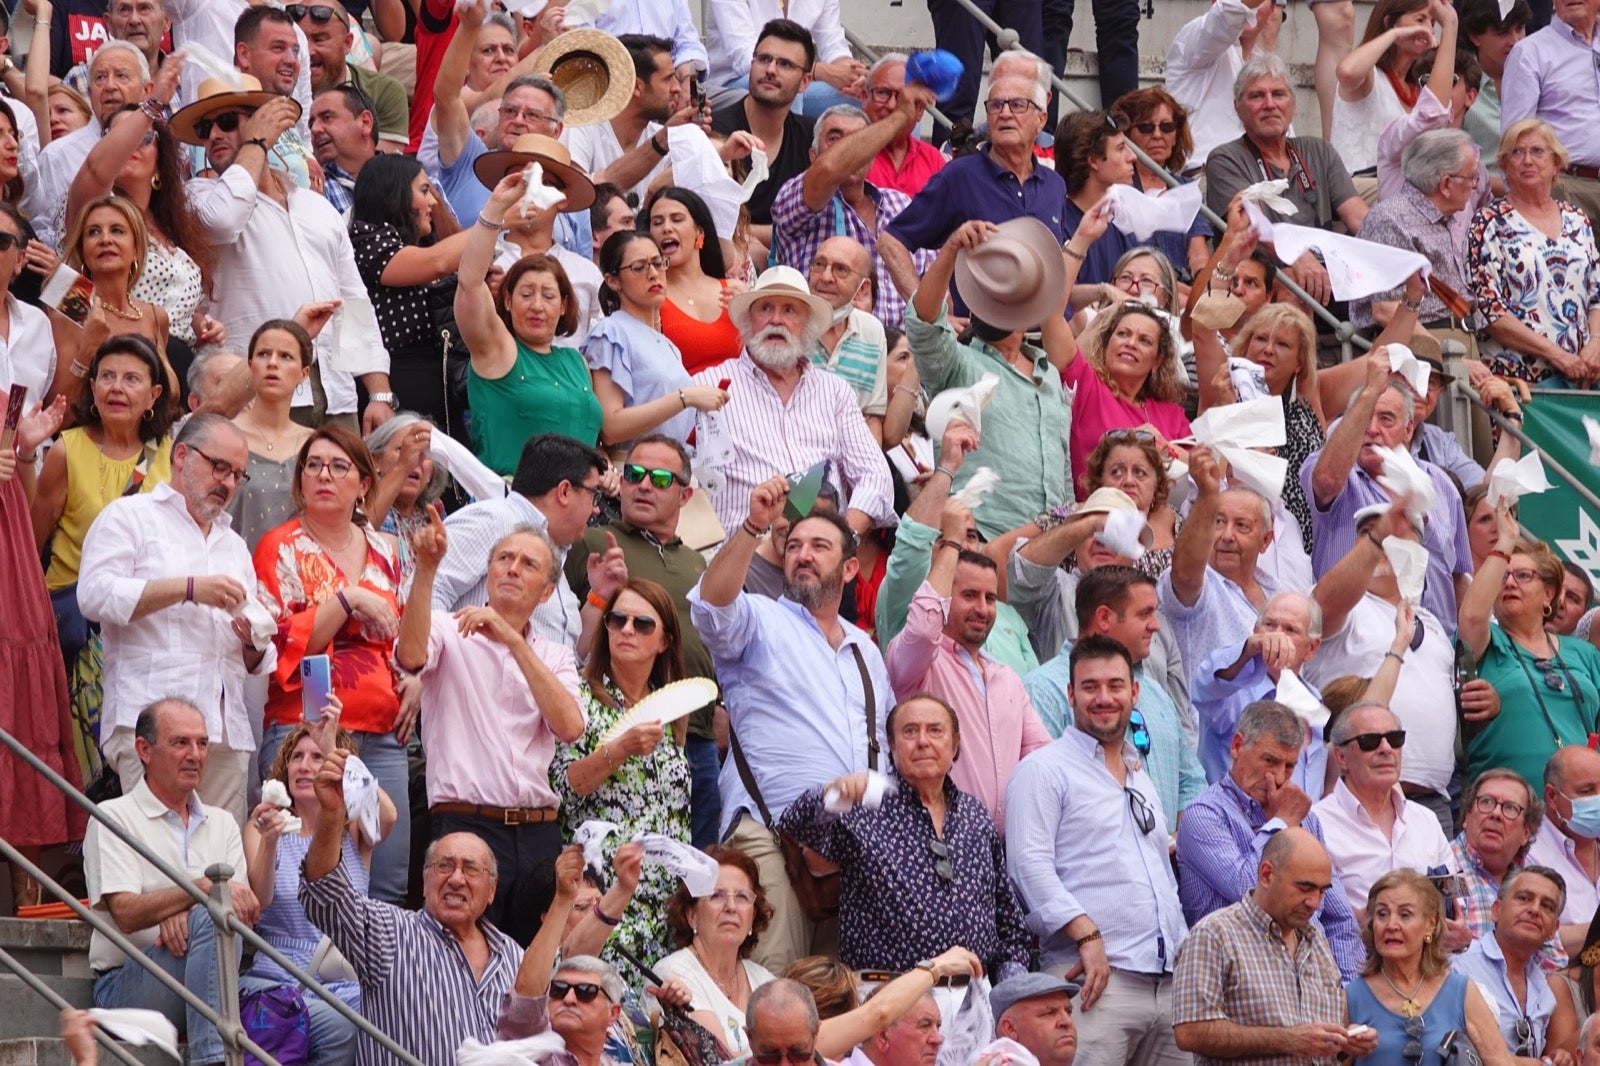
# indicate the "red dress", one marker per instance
pixel 33 700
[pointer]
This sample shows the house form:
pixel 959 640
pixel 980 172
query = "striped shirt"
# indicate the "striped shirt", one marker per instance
pixel 1483 888
pixel 1235 966
pixel 821 421
pixel 416 982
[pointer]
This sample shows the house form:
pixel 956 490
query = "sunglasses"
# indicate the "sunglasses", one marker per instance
pixel 9 241
pixel 227 122
pixel 1524 1034
pixel 1370 741
pixel 1412 1051
pixel 320 13
pixel 585 991
pixel 1138 733
pixel 1143 816
pixel 1552 677
pixel 1147 128
pixel 941 860
pixel 633 473
pixel 643 624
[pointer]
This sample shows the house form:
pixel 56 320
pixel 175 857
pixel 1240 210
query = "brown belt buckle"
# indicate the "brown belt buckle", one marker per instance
pixel 511 816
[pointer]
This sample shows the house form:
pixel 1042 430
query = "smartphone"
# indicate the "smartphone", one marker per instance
pixel 1450 886
pixel 697 91
pixel 315 685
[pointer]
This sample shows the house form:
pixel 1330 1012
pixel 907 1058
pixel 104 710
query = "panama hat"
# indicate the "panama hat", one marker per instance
pixel 559 169
pixel 593 69
pixel 783 281
pixel 216 95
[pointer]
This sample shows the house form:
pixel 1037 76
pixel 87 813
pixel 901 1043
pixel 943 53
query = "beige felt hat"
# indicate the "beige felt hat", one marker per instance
pixel 1106 499
pixel 1015 278
pixel 559 170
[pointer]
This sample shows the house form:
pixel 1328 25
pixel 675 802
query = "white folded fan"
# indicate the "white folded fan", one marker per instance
pixel 666 704
pixel 135 1025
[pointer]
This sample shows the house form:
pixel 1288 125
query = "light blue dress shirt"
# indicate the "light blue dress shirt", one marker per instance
pixel 1219 703
pixel 1221 614
pixel 1485 964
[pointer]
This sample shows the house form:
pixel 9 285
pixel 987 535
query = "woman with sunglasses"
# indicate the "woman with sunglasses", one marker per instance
pixel 1549 685
pixel 1144 275
pixel 1407 991
pixel 1155 122
pixel 637 372
pixel 715 935
pixel 333 584
pixel 639 779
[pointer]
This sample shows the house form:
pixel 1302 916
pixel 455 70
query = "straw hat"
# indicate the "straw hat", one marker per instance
pixel 784 281
pixel 216 95
pixel 559 170
pixel 1106 499
pixel 593 69
pixel 1014 279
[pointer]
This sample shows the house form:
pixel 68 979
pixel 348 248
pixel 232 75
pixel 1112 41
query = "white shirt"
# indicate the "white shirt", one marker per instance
pixel 270 261
pixel 585 277
pixel 28 355
pixel 1424 696
pixel 1202 62
pixel 670 19
pixel 596 147
pixel 32 203
pixel 732 27
pixel 1362 853
pixel 187 650
pixel 210 22
pixel 1553 848
pixel 59 163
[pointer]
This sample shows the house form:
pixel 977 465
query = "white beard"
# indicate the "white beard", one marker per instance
pixel 774 354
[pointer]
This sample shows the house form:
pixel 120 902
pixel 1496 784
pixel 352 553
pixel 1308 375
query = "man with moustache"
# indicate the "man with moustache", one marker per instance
pixel 783 416
pixel 166 576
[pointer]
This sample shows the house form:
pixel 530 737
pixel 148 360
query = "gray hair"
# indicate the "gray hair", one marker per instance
pixel 1273 721
pixel 1313 610
pixel 810 335
pixel 1407 401
pixel 888 59
pixel 1245 490
pixel 611 981
pixel 201 365
pixel 1586 1035
pixel 1433 155
pixel 504 21
pixel 850 111
pixel 544 85
pixel 1041 72
pixel 523 529
pixel 1342 729
pixel 1169 276
pixel 204 427
pixel 380 437
pixel 1542 871
pixel 783 991
pixel 117 44
pixel 1260 65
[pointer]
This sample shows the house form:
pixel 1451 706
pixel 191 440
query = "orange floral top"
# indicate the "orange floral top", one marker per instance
pixel 297 577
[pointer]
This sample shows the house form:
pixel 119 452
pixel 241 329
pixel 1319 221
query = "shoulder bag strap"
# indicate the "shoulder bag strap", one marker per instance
pixel 749 779
pixel 872 708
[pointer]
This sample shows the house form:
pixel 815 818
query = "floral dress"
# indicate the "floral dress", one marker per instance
pixel 646 794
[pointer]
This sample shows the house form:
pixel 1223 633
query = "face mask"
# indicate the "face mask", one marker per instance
pixel 842 313
pixel 1585 817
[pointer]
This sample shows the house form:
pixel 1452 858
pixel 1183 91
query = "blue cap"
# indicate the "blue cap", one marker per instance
pixel 1014 990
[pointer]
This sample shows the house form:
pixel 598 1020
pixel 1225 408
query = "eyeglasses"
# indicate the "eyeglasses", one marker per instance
pixel 1125 436
pixel 1536 152
pixel 941 860
pixel 1017 105
pixel 640 267
pixel 1143 816
pixel 221 467
pixel 1522 576
pixel 767 59
pixel 1552 676
pixel 643 624
pixel 1412 1052
pixel 828 266
pixel 1524 1034
pixel 634 473
pixel 338 469
pixel 1145 129
pixel 472 871
pixel 742 897
pixel 320 13
pixel 1138 733
pixel 527 114
pixel 1488 804
pixel 1369 741
pixel 1128 279
pixel 596 494
pixel 883 95
pixel 585 991
pixel 227 122
pixel 794 1056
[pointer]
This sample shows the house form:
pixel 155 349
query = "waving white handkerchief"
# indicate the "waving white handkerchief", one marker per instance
pixel 974 492
pixel 1003 1051
pixel 591 837
pixel 1249 380
pixel 759 172
pixel 696 165
pixel 1293 694
pixel 135 1025
pixel 1269 194
pixel 1355 267
pixel 536 195
pixel 695 868
pixel 1143 216
pixel 1512 479
pixel 274 792
pixel 361 796
pixel 1404 361
pixel 1234 430
pixel 1592 427
pixel 961 405
pixel 213 65
pixel 528 9
pixel 1409 561
pixel 878 786
pixel 1122 533
pixel 1403 477
pixel 525 1052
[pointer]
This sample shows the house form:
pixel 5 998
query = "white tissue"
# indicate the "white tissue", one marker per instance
pixel 1355 267
pixel 1293 694
pixel 1403 477
pixel 525 1052
pixel 696 165
pixel 361 796
pixel 1003 1051
pixel 1235 430
pixel 878 786
pixel 1121 533
pixel 536 195
pixel 1505 8
pixel 695 868
pixel 1409 561
pixel 276 793
pixel 591 836
pixel 1592 427
pixel 961 405
pixel 135 1025
pixel 1512 479
pixel 1249 380
pixel 984 481
pixel 209 62
pixel 759 172
pixel 1404 361
pixel 1142 216
pixel 263 627
pixel 1269 194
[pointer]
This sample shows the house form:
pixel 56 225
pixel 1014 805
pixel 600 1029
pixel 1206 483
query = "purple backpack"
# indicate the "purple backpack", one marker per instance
pixel 277 1019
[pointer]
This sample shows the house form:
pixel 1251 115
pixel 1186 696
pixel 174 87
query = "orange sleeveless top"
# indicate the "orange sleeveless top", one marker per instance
pixel 703 344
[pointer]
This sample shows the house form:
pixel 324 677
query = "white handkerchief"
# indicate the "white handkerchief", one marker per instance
pixel 527 9
pixel 213 65
pixel 974 492
pixel 135 1025
pixel 1269 194
pixel 696 165
pixel 1122 532
pixel 591 836
pixel 1409 561
pixel 1003 1051
pixel 1404 361
pixel 1403 477
pixel 1249 380
pixel 1505 8
pixel 1143 216
pixel 581 12
pixel 291 824
pixel 361 796
pixel 263 627
pixel 1234 430
pixel 1293 694
pixel 525 1052
pixel 961 405
pixel 274 792
pixel 695 868
pixel 1592 427
pixel 878 786
pixel 536 195
pixel 356 334
pixel 1512 479
pixel 1356 268
pixel 759 172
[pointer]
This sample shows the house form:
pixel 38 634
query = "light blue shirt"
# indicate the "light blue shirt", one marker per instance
pixel 643 363
pixel 467 196
pixel 1219 704
pixel 796 703
pixel 1222 614
pixel 1485 964
pixel 1555 75
pixel 1073 847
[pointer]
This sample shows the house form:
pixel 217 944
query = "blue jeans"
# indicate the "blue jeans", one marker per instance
pixel 386 757
pixel 333 1036
pixel 814 101
pixel 131 985
pixel 705 799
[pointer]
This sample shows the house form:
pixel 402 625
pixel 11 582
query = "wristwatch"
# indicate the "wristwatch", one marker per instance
pixel 931 967
pixel 384 397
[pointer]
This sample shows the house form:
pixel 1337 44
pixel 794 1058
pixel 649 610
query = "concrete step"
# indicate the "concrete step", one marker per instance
pixel 28 1014
pixel 59 948
pixel 52 1051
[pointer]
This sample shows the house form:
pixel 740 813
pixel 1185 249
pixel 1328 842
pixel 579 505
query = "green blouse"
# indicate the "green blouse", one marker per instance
pixel 1560 706
pixel 542 393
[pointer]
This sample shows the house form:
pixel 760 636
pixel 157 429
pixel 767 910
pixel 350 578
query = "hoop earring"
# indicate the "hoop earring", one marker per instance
pixel 94 410
pixel 149 414
pixel 155 181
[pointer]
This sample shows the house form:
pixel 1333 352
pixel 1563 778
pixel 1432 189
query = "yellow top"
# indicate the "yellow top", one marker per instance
pixel 92 482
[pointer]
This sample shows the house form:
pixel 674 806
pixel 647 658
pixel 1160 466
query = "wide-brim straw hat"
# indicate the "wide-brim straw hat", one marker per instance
pixel 784 281
pixel 593 69
pixel 216 95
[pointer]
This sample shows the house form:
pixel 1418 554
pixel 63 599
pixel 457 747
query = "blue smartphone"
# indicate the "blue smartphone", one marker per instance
pixel 315 685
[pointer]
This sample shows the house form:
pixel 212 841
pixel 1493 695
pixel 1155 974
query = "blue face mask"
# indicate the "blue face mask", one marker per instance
pixel 1585 818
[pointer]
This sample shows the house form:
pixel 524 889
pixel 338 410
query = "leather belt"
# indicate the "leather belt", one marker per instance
pixel 1578 170
pixel 959 980
pixel 503 815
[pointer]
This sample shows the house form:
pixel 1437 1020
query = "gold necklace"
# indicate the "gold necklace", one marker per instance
pixel 1410 1007
pixel 135 316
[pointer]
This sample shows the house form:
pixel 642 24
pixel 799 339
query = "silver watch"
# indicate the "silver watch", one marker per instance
pixel 384 397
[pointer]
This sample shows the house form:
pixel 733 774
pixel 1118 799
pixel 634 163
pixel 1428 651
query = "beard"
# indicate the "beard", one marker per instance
pixel 778 349
pixel 813 593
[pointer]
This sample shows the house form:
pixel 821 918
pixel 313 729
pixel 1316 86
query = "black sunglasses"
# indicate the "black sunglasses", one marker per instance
pixel 1138 733
pixel 227 122
pixel 643 624
pixel 1370 741
pixel 585 991
pixel 1143 816
pixel 633 473
pixel 320 13
pixel 9 241
pixel 941 860
pixel 1552 677
pixel 1412 1052
pixel 1147 128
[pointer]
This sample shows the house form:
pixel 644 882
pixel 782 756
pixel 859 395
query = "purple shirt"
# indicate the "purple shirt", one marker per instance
pixel 1555 75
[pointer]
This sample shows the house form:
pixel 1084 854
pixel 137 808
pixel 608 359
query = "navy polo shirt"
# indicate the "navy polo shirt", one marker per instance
pixel 1103 254
pixel 975 186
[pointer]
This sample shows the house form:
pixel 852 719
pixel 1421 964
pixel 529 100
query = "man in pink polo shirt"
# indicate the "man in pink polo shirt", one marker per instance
pixel 909 161
pixel 496 698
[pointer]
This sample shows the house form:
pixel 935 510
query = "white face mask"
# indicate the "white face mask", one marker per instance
pixel 842 313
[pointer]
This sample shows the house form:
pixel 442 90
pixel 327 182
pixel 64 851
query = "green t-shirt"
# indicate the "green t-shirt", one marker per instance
pixel 1558 703
pixel 543 393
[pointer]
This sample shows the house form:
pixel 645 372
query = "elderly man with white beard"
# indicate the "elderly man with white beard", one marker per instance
pixel 783 416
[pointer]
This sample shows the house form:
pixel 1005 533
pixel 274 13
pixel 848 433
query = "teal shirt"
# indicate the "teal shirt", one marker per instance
pixel 1482 122
pixel 546 392
pixel 1520 736
pixel 906 570
pixel 1024 436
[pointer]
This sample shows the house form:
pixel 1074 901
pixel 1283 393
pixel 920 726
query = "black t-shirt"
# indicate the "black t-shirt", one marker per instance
pixel 792 159
pixel 77 30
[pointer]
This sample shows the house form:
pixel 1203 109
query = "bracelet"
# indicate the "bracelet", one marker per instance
pixel 595 601
pixel 259 142
pixel 1218 272
pixel 153 109
pixel 1072 254
pixel 683 400
pixel 946 471
pixel 188 596
pixel 946 542
pixel 1411 306
pixel 909 391
pixel 1514 416
pixel 604 917
pixel 348 613
pixel 1396 656
pixel 660 151
pixel 487 224
pixel 753 531
pixel 1082 940
pixel 78 370
pixel 1496 553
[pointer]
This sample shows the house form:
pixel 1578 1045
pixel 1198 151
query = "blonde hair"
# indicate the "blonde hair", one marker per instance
pixel 1435 956
pixel 1514 133
pixel 1270 317
pixel 136 227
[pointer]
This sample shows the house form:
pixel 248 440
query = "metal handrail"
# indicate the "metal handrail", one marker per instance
pixel 1507 426
pixel 107 1041
pixel 225 920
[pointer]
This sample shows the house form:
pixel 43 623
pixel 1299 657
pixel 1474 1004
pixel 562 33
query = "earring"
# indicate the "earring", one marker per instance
pixel 155 181
pixel 149 414
pixel 94 410
pixel 1428 939
pixel 699 241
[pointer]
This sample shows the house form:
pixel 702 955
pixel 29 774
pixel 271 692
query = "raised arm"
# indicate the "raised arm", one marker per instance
pixel 1191 552
pixel 1356 70
pixel 841 1033
pixel 539 961
pixel 451 120
pixel 487 338
pixel 935 284
pixel 110 154
pixel 36 74
pixel 1474 614
pixel 1056 336
pixel 850 153
pixel 1339 455
pixel 1342 587
pixel 428 547
pixel 724 578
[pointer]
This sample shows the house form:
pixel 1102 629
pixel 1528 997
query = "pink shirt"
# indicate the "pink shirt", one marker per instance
pixel 1097 410
pixel 486 740
pixel 922 161
pixel 1361 852
pixel 998 723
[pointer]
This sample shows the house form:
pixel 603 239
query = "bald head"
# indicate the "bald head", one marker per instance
pixel 1295 871
pixel 1572 761
pixel 838 270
